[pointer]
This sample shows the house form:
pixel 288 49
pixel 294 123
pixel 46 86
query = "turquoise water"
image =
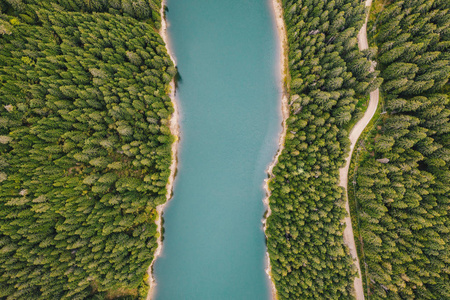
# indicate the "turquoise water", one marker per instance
pixel 229 97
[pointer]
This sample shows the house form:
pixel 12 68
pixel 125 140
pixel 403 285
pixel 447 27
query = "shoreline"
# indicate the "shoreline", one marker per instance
pixel 277 13
pixel 175 131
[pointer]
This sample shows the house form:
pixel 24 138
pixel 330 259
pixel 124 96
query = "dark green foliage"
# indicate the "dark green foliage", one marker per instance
pixel 329 73
pixel 404 203
pixel 85 152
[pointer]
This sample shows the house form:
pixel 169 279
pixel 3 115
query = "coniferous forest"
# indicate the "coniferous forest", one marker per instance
pixel 86 149
pixel 85 146
pixel 328 76
pixel 403 181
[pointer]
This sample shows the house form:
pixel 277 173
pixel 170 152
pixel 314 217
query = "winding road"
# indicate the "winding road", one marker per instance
pixel 343 172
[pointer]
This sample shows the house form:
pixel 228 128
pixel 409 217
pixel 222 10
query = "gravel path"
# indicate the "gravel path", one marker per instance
pixel 343 172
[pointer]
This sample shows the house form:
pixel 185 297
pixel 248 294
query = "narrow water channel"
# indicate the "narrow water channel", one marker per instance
pixel 229 100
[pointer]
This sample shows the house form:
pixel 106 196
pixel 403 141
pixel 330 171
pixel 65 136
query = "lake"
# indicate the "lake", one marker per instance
pixel 229 97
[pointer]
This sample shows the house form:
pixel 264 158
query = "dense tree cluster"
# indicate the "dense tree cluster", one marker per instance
pixel 328 74
pixel 403 186
pixel 85 150
pixel 145 10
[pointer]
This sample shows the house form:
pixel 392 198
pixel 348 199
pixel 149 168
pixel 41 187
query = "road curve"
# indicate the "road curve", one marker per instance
pixel 343 172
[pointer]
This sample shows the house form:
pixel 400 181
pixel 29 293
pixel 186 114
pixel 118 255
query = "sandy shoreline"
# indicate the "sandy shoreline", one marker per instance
pixel 175 130
pixel 282 48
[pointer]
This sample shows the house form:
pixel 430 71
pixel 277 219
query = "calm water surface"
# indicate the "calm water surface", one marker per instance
pixel 229 96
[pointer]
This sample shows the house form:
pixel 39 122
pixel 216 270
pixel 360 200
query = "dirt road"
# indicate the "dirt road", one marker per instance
pixel 343 172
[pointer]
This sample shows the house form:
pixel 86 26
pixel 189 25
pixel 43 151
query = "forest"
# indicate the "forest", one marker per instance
pixel 328 76
pixel 403 179
pixel 85 146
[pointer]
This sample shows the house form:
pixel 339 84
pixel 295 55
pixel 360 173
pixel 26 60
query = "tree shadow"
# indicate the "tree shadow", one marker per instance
pixel 177 80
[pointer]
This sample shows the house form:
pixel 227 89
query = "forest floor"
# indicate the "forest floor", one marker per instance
pixel 356 131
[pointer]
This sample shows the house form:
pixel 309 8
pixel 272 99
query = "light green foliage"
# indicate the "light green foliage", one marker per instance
pixel 83 119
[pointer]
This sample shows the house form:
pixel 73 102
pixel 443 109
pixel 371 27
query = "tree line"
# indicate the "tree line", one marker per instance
pixel 85 147
pixel 328 75
pixel 403 181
